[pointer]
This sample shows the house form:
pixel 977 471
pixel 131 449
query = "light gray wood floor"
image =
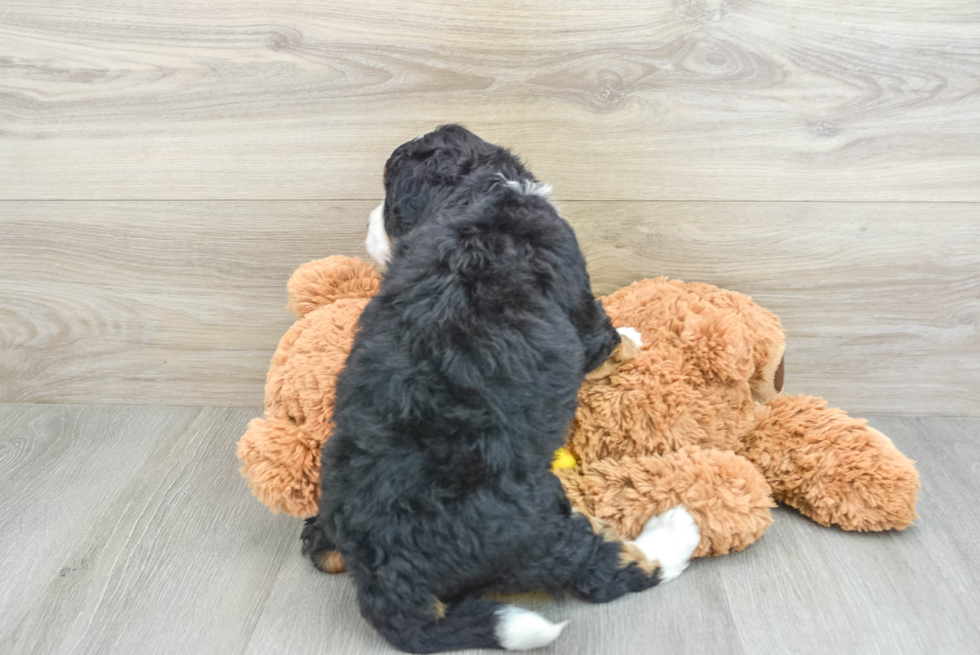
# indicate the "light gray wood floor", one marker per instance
pixel 127 529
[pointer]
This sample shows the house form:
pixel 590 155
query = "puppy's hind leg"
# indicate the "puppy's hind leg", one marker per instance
pixel 600 567
pixel 320 548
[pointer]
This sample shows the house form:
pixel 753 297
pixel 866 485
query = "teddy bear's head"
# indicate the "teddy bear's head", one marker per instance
pixel 281 452
pixel 663 428
pixel 323 282
pixel 708 355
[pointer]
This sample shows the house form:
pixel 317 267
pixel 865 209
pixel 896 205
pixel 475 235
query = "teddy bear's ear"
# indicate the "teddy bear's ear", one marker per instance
pixel 765 331
pixel 325 281
pixel 763 334
pixel 717 342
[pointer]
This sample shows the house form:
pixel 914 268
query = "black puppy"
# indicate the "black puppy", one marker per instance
pixel 461 384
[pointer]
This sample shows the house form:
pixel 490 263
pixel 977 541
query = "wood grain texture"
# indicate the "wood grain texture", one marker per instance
pixel 128 529
pixel 165 303
pixel 182 302
pixel 813 590
pixel 61 470
pixel 610 99
pixel 880 302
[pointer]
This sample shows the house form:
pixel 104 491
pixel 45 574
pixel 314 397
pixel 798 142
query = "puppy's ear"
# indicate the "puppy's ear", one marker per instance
pixel 406 201
pixel 418 178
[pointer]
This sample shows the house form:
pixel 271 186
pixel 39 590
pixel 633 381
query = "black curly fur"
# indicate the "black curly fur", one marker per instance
pixel 461 384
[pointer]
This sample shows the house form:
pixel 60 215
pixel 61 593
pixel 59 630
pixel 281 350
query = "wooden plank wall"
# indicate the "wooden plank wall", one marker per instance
pixel 164 165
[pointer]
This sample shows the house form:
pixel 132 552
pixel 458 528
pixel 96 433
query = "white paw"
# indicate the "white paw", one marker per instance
pixel 632 334
pixel 521 629
pixel 671 539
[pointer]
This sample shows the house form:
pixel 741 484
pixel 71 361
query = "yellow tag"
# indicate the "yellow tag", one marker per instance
pixel 563 460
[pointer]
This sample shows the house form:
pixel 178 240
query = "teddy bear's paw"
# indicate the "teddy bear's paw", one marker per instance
pixel 632 334
pixel 670 539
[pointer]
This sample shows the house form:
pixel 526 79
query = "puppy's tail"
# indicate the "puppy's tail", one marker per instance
pixel 418 625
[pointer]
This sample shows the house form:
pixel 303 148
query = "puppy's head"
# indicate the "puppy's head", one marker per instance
pixel 422 173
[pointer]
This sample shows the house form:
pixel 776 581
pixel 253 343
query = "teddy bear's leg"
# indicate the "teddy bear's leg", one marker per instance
pixel 831 467
pixel 282 466
pixel 726 495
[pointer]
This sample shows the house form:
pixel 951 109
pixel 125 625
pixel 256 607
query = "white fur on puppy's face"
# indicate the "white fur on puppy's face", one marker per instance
pixel 377 242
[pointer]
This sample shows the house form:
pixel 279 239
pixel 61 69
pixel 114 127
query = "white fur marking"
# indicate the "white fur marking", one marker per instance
pixel 632 334
pixel 378 244
pixel 527 187
pixel 671 539
pixel 521 629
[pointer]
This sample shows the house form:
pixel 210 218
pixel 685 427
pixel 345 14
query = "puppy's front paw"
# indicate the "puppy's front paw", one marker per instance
pixel 632 334
pixel 630 343
pixel 671 539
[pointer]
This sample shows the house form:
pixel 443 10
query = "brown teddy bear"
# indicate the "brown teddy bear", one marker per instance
pixel 694 416
pixel 697 418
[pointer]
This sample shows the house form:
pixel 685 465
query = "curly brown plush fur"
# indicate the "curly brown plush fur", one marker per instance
pixel 833 468
pixel 727 496
pixel 695 417
pixel 281 452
